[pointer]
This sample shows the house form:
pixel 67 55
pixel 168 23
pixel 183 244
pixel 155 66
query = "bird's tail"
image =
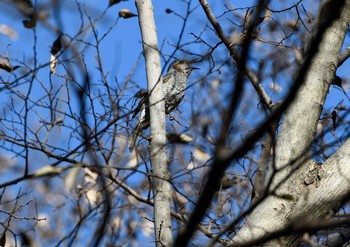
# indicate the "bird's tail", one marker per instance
pixel 143 119
pixel 134 136
pixel 136 132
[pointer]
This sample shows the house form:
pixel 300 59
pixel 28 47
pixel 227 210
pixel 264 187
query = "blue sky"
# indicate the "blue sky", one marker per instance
pixel 122 48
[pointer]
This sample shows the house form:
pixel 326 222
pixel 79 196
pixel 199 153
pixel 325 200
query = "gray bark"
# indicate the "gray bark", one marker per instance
pixel 161 186
pixel 294 200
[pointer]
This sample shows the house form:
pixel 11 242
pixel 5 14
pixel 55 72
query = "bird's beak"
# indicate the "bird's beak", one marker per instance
pixel 190 62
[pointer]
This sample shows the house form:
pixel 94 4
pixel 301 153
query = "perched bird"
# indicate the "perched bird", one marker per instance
pixel 174 87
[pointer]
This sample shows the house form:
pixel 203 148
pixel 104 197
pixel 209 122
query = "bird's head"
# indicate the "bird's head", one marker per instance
pixel 183 66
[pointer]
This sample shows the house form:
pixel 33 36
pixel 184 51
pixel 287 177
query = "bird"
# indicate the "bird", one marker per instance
pixel 174 87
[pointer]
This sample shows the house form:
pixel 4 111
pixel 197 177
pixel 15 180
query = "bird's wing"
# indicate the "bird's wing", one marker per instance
pixel 143 95
pixel 166 78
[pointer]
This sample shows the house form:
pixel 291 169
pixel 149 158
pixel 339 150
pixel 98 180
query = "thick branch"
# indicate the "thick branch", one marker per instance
pixel 297 133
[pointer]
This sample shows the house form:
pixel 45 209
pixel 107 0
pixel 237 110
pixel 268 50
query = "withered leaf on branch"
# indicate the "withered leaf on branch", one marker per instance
pixel 8 31
pixel 228 182
pixel 23 4
pixel 126 13
pixel 53 63
pixel 27 9
pixel 112 2
pixel 30 23
pixel 179 138
pixel 5 65
pixel 338 81
pixel 56 47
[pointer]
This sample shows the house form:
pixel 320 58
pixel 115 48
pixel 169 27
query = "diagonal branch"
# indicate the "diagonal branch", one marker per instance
pixel 236 56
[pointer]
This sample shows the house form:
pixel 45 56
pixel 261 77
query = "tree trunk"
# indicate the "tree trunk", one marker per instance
pixel 296 200
pixel 161 186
